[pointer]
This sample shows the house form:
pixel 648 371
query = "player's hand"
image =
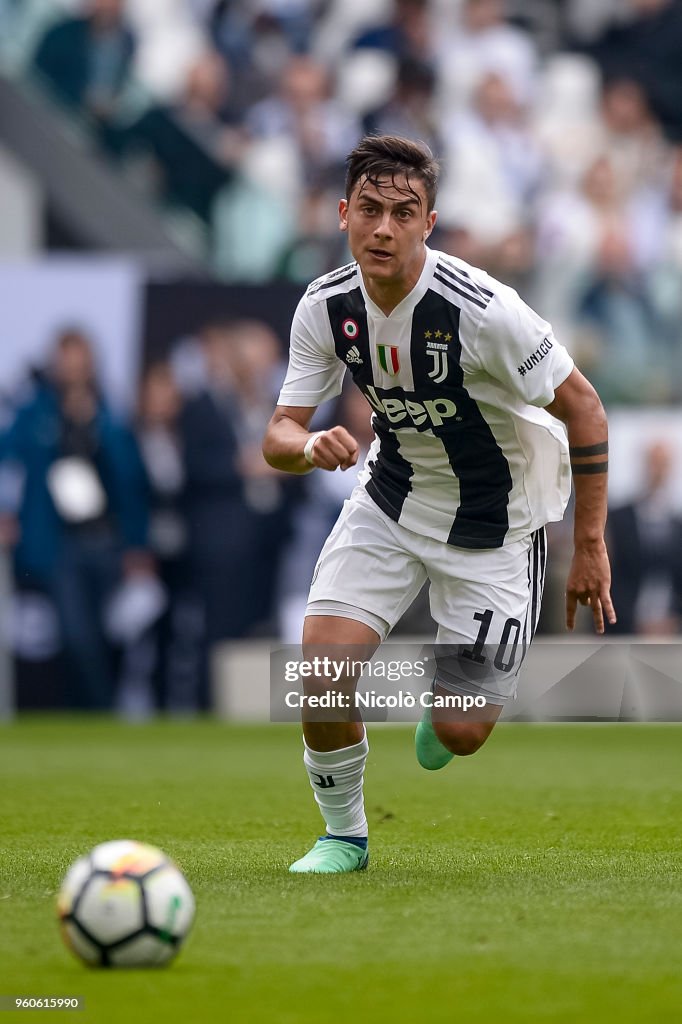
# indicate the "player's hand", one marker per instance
pixel 589 583
pixel 335 449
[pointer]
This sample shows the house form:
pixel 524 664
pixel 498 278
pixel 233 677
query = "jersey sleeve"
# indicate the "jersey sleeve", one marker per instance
pixel 517 347
pixel 315 373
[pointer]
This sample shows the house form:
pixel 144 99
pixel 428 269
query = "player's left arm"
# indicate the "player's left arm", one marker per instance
pixel 577 404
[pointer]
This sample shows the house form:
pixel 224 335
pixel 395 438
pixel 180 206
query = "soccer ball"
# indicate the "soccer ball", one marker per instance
pixel 125 904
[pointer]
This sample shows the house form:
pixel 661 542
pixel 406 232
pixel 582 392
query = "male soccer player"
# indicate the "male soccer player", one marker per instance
pixel 466 385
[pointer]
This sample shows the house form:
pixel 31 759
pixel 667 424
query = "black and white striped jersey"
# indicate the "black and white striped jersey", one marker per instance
pixel 457 377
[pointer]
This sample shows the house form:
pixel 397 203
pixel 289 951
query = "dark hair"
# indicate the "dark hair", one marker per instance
pixel 380 157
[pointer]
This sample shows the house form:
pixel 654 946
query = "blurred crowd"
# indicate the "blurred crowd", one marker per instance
pixel 155 537
pixel 558 124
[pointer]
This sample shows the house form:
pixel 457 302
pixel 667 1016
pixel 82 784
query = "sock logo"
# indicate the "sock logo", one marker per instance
pixel 324 781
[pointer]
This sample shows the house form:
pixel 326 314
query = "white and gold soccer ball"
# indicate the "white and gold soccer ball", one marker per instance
pixel 125 904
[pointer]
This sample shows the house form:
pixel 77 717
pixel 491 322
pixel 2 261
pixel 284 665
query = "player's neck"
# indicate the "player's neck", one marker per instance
pixel 389 294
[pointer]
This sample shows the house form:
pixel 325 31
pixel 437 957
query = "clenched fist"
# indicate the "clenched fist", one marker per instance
pixel 334 449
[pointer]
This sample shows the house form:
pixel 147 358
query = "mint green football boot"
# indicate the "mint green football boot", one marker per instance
pixel 331 857
pixel 431 753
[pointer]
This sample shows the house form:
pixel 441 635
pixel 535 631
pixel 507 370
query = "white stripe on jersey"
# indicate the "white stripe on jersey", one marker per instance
pixel 425 453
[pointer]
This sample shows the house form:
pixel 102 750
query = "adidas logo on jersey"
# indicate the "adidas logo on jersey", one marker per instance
pixel 435 410
pixel 353 355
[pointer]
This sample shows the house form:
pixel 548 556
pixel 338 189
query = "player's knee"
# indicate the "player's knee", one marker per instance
pixel 462 738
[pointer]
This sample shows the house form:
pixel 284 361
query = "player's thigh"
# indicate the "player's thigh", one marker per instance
pixel 366 571
pixel 486 605
pixel 340 639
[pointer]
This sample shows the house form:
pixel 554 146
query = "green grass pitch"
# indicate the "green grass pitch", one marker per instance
pixel 537 881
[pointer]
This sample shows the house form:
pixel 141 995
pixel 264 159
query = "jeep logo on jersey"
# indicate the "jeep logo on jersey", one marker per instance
pixel 435 410
pixel 389 358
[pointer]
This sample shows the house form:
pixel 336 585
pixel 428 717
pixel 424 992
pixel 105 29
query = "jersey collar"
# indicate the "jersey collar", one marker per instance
pixel 407 305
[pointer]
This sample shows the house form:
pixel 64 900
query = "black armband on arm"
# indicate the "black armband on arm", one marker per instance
pixel 589 468
pixel 591 449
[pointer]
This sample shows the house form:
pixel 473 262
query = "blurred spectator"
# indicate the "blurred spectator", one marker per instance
pixel 566 121
pixel 585 20
pixel 668 244
pixel 493 163
pixel 170 38
pixel 253 229
pixel 631 137
pixel 81 521
pixel 343 21
pixel 512 260
pixel 257 372
pixel 220 529
pixel 645 546
pixel 305 120
pixel 236 505
pixel 646 47
pixel 319 247
pixel 572 224
pixel 174 647
pixel 192 144
pixel 410 110
pixel 254 43
pixel 299 140
pixel 621 345
pixel 483 43
pixel 408 34
pixel 296 19
pixel 87 59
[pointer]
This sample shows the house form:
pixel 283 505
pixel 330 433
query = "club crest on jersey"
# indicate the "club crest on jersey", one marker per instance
pixel 350 329
pixel 439 370
pixel 389 359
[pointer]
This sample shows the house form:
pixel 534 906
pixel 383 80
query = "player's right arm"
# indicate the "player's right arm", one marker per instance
pixel 314 375
pixel 287 435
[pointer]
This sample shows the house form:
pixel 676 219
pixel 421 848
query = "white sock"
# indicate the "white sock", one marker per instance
pixel 336 778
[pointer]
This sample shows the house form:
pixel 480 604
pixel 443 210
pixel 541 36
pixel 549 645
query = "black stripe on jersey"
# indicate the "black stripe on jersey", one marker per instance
pixel 469 285
pixel 536 579
pixel 391 474
pixel 460 291
pixel 534 604
pixel 476 459
pixel 541 574
pixel 342 308
pixel 336 277
pixel 469 279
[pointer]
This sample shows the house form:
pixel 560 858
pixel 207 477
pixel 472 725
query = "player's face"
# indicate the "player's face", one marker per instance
pixel 387 227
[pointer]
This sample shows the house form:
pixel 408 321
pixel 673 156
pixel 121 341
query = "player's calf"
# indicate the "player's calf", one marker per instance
pixel 462 738
pixel 444 733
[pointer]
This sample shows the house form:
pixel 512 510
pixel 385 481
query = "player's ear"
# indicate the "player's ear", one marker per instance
pixel 343 214
pixel 430 223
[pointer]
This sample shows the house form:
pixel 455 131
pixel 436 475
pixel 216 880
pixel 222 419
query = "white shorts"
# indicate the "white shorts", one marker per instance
pixel 486 603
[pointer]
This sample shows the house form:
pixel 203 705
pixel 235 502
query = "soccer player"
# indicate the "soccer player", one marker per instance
pixel 466 385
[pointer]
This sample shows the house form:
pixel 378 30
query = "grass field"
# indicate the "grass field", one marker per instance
pixel 537 881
